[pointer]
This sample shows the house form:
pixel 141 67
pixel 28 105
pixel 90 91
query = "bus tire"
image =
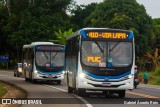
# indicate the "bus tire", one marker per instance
pixel 26 79
pixel 34 81
pixel 121 93
pixel 70 89
pixel 81 92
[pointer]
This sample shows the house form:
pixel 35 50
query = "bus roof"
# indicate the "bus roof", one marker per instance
pixel 40 43
pixel 37 43
pixel 78 32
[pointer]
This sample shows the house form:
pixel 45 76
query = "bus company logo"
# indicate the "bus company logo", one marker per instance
pixel 106 79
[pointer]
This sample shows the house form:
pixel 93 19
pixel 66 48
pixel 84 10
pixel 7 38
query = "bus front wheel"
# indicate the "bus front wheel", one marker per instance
pixel 34 81
pixel 26 79
pixel 70 89
pixel 81 92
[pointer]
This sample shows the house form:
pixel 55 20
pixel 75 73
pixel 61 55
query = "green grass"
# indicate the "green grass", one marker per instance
pixel 154 77
pixel 3 90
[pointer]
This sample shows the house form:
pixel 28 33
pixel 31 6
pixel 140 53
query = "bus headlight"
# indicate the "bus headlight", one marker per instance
pixel 62 74
pixel 20 69
pixel 36 72
pixel 130 76
pixel 82 75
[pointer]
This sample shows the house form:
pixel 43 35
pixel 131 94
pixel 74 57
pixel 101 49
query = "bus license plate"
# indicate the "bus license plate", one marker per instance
pixel 49 76
pixel 106 84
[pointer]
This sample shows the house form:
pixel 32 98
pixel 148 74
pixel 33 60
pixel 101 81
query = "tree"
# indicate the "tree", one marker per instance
pixel 62 36
pixel 80 13
pixel 154 58
pixel 156 22
pixel 124 14
pixel 27 21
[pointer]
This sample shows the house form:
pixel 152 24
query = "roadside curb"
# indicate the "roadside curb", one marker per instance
pixel 10 70
pixel 15 86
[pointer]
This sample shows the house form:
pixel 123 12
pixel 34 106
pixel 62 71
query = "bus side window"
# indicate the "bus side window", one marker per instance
pixel 75 46
pixel 68 49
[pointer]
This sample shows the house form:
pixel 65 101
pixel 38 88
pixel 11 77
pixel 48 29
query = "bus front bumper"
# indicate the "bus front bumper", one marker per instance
pixel 94 85
pixel 49 76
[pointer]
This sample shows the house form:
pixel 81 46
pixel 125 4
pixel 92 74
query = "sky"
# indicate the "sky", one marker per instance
pixel 152 6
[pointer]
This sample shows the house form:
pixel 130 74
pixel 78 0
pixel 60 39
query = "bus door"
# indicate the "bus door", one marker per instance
pixel 72 61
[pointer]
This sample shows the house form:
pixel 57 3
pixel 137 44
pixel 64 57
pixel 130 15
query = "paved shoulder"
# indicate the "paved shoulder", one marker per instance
pixel 150 86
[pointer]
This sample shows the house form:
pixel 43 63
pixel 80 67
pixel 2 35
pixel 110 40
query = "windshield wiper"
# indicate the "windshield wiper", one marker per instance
pixel 114 46
pixel 45 54
pixel 100 48
pixel 54 56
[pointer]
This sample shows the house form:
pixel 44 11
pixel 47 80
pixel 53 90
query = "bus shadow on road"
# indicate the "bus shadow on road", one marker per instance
pixel 100 95
pixel 47 82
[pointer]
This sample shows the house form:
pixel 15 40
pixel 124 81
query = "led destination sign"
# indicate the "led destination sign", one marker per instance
pixel 108 35
pixel 50 48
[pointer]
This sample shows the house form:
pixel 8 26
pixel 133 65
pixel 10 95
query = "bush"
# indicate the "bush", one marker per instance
pixel 157 71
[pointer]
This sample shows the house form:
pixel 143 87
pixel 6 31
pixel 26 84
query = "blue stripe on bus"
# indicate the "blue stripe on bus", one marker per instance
pixel 130 35
pixel 49 72
pixel 83 34
pixel 109 77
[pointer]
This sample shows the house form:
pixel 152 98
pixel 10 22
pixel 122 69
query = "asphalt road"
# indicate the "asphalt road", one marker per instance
pixel 58 96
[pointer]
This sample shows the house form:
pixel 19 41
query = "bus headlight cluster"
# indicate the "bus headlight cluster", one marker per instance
pixel 37 72
pixel 82 75
pixel 63 72
pixel 20 69
pixel 128 77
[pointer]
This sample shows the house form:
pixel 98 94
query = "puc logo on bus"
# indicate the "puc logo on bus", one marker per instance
pixel 94 59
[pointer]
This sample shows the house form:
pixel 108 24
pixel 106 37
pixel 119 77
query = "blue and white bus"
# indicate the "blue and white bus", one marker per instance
pixel 100 59
pixel 43 61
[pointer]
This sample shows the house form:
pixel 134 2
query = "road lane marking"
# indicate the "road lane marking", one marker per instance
pixel 83 100
pixel 86 102
pixel 56 88
pixel 142 95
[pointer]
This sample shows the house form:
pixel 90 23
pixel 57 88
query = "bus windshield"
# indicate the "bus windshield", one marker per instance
pixel 99 53
pixel 50 59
